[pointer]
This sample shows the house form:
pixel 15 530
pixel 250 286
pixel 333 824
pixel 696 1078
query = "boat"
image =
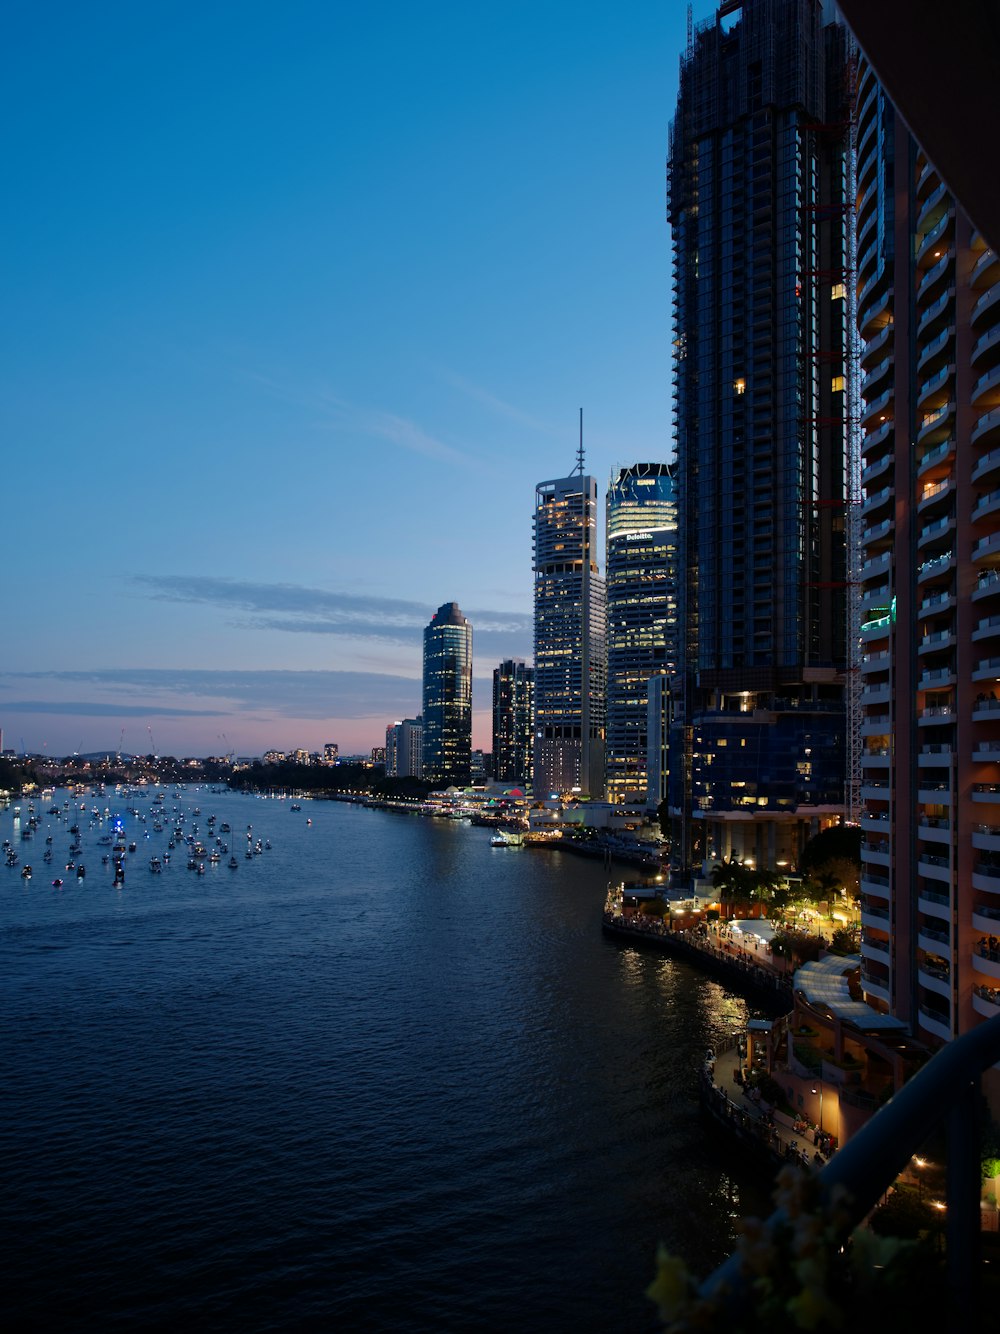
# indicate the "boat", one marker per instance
pixel 155 865
pixel 57 883
pixel 233 863
pixel 295 807
pixel 26 873
pixel 81 872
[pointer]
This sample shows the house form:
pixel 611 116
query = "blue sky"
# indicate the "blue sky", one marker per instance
pixel 300 302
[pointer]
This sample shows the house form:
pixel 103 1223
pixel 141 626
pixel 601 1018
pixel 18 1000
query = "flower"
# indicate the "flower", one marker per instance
pixel 673 1289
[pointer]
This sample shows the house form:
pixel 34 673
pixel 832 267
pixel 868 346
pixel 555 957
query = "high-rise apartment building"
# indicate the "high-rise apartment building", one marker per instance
pixel 513 701
pixel 928 303
pixel 404 748
pixel 641 576
pixel 447 696
pixel 758 200
pixel 570 651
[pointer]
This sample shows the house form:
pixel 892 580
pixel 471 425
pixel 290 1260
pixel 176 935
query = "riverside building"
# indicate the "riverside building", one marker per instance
pixel 447 697
pixel 641 573
pixel 404 748
pixel 513 699
pixel 757 202
pixel 570 651
pixel 928 297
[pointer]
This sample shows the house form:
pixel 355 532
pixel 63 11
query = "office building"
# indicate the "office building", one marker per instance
pixel 641 575
pixel 757 201
pixel 928 299
pixel 570 651
pixel 404 748
pixel 513 701
pixel 447 697
pixel 331 753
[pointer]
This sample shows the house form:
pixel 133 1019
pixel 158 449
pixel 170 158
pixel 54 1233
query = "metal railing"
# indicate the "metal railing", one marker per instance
pixel 945 1092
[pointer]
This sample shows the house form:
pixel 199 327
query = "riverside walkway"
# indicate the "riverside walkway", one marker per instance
pixel 746 969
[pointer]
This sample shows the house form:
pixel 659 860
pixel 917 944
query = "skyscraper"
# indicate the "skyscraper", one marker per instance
pixel 404 748
pixel 642 614
pixel 928 294
pixel 447 712
pixel 513 698
pixel 759 166
pixel 570 653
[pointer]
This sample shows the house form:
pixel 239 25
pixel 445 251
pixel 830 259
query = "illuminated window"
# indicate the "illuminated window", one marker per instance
pixel 837 292
pixel 740 385
pixel 837 384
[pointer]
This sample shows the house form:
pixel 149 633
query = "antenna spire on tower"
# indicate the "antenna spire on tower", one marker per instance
pixel 579 451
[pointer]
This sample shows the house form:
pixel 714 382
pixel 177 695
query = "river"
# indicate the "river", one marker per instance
pixel 380 1076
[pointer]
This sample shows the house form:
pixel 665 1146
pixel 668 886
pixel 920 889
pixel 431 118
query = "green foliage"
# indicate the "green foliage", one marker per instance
pixel 797 946
pixel 654 907
pixel 838 843
pixel 846 940
pixel 768 1087
pixel 906 1214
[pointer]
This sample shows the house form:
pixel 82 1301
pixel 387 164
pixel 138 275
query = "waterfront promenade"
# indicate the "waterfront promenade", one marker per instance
pixel 749 970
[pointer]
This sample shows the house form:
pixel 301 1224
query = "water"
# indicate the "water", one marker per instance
pixel 381 1077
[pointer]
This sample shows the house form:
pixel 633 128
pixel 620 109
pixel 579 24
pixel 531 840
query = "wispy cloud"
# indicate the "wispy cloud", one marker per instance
pixel 100 709
pixel 297 609
pixel 497 405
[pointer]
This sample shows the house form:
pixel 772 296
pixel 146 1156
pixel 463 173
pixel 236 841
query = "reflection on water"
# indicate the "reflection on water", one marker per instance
pixel 382 1074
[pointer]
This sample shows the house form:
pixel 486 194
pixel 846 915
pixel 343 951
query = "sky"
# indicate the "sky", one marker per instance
pixel 301 300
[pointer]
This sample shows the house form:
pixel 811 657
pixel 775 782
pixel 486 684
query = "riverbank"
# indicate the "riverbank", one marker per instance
pixel 752 977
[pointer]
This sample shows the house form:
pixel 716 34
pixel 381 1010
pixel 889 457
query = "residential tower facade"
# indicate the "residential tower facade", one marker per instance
pixel 447 697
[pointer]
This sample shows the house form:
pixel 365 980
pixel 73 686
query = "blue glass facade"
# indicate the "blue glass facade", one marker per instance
pixel 447 697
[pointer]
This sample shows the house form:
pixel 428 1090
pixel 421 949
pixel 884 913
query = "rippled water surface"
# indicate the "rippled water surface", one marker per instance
pixel 381 1076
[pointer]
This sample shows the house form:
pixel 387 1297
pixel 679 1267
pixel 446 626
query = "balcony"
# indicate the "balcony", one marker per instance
pixel 876 724
pixel 933 829
pixel 877 533
pixel 934 351
pixel 933 494
pixel 877 314
pixel 985 918
pixel 876 470
pixel 937 679
pixel 986 431
pixel 876 822
pixel 938 713
pixel 875 630
pixel 983 962
pixel 985 1001
pixel 985 709
pixel 934 867
pixel 987 585
pixel 871 504
pixel 987 752
pixel 941 639
pixel 875 345
pixel 937 317
pixel 984 312
pixel 935 1022
pixel 875 662
pixel 934 941
pixel 876 438
pixel 986 792
pixel 935 978
pixel 986 877
pixel 876 694
pixel 933 430
pixel 878 410
pixel 934 392
pixel 936 531
pixel 871 914
pixel 934 240
pixel 933 206
pixel 935 567
pixel 876 565
pixel 931 756
pixel 986 351
pixel 986 669
pixel 986 390
pixel 874 760
pixel 987 504
pixel 987 548
pixel 986 837
pixel 876 949
pixel 935 604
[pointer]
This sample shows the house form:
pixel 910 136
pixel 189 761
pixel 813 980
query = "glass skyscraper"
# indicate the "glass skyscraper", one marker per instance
pixel 758 206
pixel 570 651
pixel 447 697
pixel 642 615
pixel 513 701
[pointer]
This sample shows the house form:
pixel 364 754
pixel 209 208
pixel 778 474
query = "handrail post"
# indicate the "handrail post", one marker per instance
pixel 962 1192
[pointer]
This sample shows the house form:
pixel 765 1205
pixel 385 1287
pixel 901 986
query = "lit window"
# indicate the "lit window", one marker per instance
pixel 837 384
pixel 740 385
pixel 837 292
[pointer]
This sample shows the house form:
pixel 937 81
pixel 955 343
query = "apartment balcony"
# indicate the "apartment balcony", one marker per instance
pixel 872 985
pixel 985 271
pixel 986 878
pixel 871 914
pixel 935 604
pixel 867 217
pixel 986 669
pixel 986 710
pixel 876 822
pixel 877 314
pixel 875 566
pixel 875 662
pixel 986 310
pixel 987 504
pixel 934 494
pixel 874 760
pixel 927 179
pixel 986 918
pixel 878 950
pixel 876 694
pixel 937 714
pixel 938 316
pixel 940 639
pixel 938 981
pixel 985 1001
pixel 874 884
pixel 873 789
pixel 875 345
pixel 934 866
pixel 984 964
pixel 933 207
pixel 987 548
pixel 986 837
pixel 877 533
pixel 986 350
pixel 938 678
pixel 987 585
pixel 872 284
pixel 936 532
pixel 872 631
pixel 876 854
pixel 932 829
pixel 934 793
pixel 931 1021
pixel 935 242
pixel 878 500
pixel 988 793
pixel 934 941
pixel 935 279
pixel 932 902
pixel 935 391
pixel 934 429
pixel 987 752
pixel 878 380
pixel 934 353
pixel 934 756
pixel 876 439
pixel 935 567
pixel 876 470
pixel 987 431
pixel 878 410
pixel 876 599
pixel 986 390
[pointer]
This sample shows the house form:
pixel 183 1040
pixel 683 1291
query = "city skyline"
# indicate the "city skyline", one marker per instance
pixel 275 288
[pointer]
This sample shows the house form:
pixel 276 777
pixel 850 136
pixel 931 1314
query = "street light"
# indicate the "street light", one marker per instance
pixel 820 1092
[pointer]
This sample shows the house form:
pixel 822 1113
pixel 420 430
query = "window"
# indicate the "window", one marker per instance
pixel 837 384
pixel 837 292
